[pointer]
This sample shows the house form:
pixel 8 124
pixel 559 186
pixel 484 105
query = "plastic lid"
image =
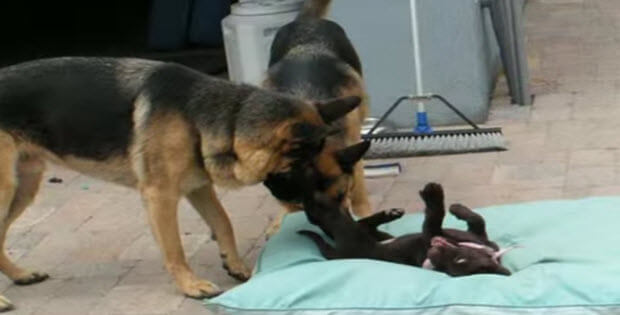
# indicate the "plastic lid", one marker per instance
pixel 266 7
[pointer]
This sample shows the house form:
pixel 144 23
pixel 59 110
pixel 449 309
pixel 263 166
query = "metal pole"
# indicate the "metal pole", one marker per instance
pixel 523 95
pixel 507 20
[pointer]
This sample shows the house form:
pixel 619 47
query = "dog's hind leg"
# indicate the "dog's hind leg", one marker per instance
pixel 208 206
pixel 30 170
pixel 19 182
pixel 8 187
pixel 20 175
pixel 475 222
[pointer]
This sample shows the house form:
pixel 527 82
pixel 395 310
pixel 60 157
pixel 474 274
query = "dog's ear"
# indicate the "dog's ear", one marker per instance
pixel 335 109
pixel 308 140
pixel 347 157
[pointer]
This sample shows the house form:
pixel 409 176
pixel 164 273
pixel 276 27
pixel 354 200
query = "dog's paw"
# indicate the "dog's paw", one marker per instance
pixel 31 278
pixel 237 270
pixel 432 193
pixel 5 304
pixel 394 213
pixel 200 289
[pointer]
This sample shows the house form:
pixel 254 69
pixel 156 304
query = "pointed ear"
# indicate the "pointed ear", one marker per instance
pixel 347 157
pixel 308 140
pixel 337 108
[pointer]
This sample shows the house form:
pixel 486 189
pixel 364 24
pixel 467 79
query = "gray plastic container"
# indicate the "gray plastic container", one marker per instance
pixel 458 56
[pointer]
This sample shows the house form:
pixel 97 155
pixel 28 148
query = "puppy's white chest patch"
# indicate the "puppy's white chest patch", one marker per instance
pixel 390 240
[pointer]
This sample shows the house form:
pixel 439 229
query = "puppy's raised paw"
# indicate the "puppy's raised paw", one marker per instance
pixel 432 193
pixel 395 213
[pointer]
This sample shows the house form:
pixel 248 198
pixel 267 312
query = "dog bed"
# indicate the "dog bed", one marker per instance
pixel 569 264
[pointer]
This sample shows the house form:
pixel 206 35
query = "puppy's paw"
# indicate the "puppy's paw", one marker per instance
pixel 432 193
pixel 394 213
pixel 460 211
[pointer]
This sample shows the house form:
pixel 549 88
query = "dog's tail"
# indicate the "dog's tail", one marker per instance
pixel 326 250
pixel 315 9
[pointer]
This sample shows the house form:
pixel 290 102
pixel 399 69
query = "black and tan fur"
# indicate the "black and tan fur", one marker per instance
pixel 312 58
pixel 162 128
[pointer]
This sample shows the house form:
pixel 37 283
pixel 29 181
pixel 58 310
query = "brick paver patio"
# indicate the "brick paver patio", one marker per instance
pixel 93 239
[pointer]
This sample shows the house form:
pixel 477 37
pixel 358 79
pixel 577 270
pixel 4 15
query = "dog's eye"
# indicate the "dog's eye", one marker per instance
pixel 460 260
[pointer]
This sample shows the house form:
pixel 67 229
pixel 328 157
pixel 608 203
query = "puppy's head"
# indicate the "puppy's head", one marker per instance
pixel 333 169
pixel 463 258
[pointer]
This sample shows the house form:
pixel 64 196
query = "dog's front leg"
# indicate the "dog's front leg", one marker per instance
pixel 359 194
pixel 162 206
pixel 210 209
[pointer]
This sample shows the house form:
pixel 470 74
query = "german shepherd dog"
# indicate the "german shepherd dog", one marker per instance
pixel 454 252
pixel 167 130
pixel 312 58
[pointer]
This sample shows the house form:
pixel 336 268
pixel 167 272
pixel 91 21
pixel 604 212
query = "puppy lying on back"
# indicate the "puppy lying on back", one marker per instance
pixel 454 252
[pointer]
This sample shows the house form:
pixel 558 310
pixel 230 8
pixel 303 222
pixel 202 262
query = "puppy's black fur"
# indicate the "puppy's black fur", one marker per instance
pixel 443 248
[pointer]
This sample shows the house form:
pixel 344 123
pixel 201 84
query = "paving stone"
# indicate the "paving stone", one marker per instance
pixel 191 306
pixel 29 299
pixel 531 175
pixel 590 176
pixel 150 294
pixel 77 296
pixel 553 107
pixel 533 155
pixel 605 191
pixel 592 158
pixel 94 240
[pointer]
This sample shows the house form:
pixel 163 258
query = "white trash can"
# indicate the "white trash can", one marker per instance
pixel 248 33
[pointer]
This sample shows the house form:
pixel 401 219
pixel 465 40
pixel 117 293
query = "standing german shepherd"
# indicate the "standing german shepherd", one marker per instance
pixel 313 59
pixel 167 130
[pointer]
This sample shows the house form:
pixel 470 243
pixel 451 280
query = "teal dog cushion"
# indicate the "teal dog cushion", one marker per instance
pixel 569 263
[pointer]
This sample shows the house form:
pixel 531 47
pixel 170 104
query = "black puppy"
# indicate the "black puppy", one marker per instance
pixel 455 252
